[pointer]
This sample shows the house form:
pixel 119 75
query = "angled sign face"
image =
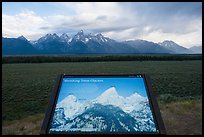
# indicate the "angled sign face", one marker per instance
pixel 103 104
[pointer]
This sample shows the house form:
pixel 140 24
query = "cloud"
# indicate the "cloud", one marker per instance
pixel 25 23
pixel 180 22
pixel 102 17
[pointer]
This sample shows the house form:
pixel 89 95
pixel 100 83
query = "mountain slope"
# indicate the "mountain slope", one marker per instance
pixel 19 46
pixel 196 49
pixel 73 108
pixel 51 43
pixel 144 46
pixel 168 44
pixel 97 118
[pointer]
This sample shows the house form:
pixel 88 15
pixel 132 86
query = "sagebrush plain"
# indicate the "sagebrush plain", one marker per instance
pixel 26 89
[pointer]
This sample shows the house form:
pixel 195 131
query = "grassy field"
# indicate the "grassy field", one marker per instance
pixel 26 89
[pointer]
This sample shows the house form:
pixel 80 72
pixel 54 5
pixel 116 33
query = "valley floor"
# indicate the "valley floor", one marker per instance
pixel 26 89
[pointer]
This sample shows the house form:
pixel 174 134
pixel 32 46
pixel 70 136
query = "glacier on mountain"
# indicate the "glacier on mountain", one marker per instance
pixel 108 112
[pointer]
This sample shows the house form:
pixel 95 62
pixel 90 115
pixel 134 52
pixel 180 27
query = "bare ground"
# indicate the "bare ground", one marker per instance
pixel 182 118
pixel 28 126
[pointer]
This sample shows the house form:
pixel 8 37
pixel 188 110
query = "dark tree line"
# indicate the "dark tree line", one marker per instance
pixel 47 59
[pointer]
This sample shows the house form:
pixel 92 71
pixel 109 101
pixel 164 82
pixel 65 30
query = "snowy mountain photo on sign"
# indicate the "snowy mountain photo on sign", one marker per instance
pixel 84 106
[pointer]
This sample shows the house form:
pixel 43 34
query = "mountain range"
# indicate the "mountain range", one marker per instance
pixel 82 43
pixel 109 112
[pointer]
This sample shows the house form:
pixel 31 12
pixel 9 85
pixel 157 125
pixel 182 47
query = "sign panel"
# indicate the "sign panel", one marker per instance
pixel 102 105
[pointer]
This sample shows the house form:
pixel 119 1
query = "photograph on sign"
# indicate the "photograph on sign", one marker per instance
pixel 101 104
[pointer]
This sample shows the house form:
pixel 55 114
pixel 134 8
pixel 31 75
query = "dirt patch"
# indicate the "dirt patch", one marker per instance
pixel 27 126
pixel 182 118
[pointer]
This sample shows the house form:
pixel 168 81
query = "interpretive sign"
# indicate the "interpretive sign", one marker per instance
pixel 103 104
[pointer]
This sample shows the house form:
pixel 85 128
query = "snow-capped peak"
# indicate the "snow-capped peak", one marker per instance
pixel 81 32
pixel 22 38
pixel 55 35
pixel 80 36
pixel 133 102
pixel 110 92
pixel 72 98
pixel 136 95
pixel 64 36
pixel 110 97
pixel 69 99
pixel 171 45
pixel 100 38
pixel 48 37
pixel 71 106
pixel 168 43
pixel 99 35
pixel 127 104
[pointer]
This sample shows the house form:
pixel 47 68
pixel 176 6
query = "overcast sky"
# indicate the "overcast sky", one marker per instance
pixel 158 21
